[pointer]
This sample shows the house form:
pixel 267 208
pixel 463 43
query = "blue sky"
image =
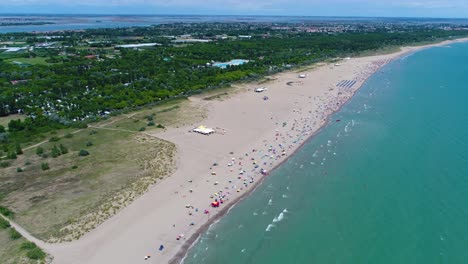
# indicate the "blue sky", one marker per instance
pixel 402 8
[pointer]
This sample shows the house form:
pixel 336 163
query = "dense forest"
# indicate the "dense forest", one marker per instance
pixel 84 84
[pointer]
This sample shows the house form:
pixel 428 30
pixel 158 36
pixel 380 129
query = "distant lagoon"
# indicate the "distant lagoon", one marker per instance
pixel 79 22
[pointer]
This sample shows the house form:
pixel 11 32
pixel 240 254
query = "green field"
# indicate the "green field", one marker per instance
pixel 30 61
pixel 4 120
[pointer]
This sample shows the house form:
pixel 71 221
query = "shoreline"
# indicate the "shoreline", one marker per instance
pixel 181 254
pixel 291 116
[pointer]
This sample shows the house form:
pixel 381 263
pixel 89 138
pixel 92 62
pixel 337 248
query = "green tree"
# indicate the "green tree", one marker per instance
pixel 55 152
pixel 11 155
pixel 45 166
pixel 63 149
pixel 83 153
pixel 19 151
pixel 54 139
pixel 39 151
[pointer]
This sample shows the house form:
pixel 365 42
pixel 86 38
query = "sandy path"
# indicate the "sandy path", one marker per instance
pixel 260 134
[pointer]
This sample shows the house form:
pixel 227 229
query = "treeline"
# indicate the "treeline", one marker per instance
pixel 28 130
pixel 81 88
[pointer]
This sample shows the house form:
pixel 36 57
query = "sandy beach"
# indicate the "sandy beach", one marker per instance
pixel 254 133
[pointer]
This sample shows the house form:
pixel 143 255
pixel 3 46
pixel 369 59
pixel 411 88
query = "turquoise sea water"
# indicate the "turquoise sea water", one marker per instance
pixel 395 192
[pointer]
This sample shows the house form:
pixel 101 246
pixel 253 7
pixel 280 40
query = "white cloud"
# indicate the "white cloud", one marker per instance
pixel 431 4
pixel 240 5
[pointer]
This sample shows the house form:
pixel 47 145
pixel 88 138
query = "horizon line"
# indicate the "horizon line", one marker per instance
pixel 224 15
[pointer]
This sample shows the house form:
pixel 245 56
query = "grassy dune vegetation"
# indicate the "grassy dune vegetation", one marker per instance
pixel 73 193
pixel 14 248
pixel 11 252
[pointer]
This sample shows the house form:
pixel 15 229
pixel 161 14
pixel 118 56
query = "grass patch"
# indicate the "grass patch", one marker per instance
pixel 54 139
pixel 31 61
pixel 14 235
pixel 4 120
pixel 221 93
pixel 4 224
pixel 266 80
pixel 27 245
pixel 169 109
pixel 6 212
pixel 71 194
pixel 381 51
pixel 35 254
pixel 216 96
pixel 10 250
pixel 170 114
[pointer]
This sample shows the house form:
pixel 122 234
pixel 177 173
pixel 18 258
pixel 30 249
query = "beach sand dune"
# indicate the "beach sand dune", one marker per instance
pixel 254 132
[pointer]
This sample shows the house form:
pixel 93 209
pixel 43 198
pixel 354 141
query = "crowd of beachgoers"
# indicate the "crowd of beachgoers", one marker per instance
pixel 243 170
pixel 217 170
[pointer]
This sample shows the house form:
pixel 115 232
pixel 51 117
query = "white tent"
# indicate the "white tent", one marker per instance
pixel 260 89
pixel 203 130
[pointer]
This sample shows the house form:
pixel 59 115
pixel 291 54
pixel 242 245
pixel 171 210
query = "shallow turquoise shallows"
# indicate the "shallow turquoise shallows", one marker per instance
pixel 393 186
